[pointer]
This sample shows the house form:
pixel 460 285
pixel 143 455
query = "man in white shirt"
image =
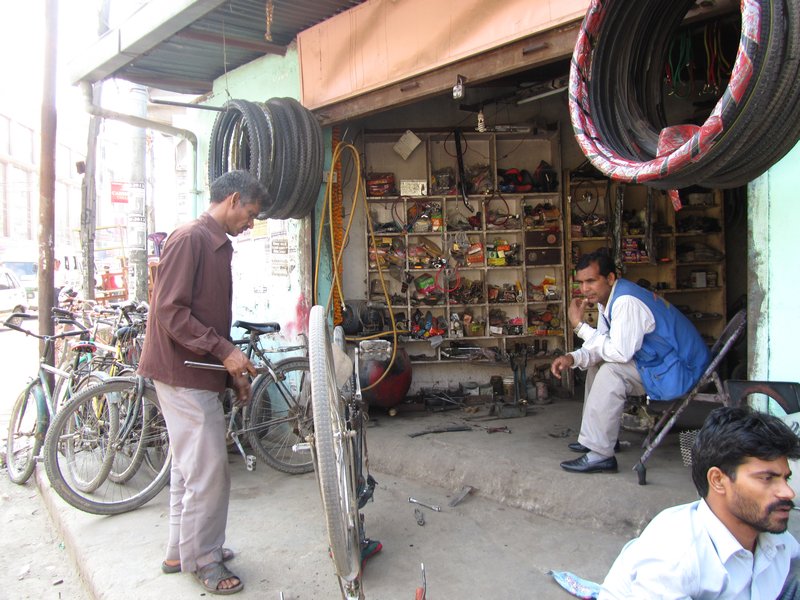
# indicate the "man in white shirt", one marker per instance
pixel 642 345
pixel 732 544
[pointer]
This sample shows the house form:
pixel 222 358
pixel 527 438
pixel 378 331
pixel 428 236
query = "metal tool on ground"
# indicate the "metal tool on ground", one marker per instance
pixel 431 506
pixel 463 493
pixel 421 591
pixel 441 430
pixel 419 517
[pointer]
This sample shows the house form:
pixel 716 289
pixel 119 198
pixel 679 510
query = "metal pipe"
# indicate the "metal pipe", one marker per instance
pixel 47 176
pixel 135 121
pixel 186 104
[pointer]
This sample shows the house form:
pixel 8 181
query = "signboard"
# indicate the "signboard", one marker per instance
pixel 119 192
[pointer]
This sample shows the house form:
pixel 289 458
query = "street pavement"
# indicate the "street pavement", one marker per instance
pixel 525 518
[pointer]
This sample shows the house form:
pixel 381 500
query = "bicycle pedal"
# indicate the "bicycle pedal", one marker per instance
pixel 250 462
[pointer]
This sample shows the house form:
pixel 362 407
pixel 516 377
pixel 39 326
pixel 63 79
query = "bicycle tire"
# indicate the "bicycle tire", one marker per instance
pixel 92 424
pixel 280 417
pixel 26 430
pixel 112 498
pixel 334 454
pixel 131 445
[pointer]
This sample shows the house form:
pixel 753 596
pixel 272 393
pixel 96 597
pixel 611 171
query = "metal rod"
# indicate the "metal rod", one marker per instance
pixel 186 105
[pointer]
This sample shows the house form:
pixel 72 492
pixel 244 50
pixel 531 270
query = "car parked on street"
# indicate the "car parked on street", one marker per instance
pixel 13 297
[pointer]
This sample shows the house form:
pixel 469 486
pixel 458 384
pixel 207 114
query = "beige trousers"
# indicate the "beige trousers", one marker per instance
pixel 607 385
pixel 200 480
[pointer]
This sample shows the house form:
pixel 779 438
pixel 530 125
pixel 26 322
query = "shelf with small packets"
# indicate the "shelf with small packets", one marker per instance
pixel 478 263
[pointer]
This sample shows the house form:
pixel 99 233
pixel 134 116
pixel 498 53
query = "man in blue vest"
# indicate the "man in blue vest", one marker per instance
pixel 642 345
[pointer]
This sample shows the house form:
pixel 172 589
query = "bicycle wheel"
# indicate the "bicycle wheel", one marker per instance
pixel 64 441
pixel 280 417
pixel 131 446
pixel 334 454
pixel 89 426
pixel 26 431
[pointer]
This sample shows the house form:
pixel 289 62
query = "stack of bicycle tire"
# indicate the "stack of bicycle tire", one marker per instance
pixel 617 105
pixel 280 143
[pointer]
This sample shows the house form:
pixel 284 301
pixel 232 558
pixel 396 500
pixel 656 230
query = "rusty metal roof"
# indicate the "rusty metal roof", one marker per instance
pixel 186 49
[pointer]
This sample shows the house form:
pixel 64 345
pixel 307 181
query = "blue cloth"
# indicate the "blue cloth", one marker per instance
pixel 578 587
pixel 673 356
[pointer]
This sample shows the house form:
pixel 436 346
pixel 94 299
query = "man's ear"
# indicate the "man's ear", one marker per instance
pixel 612 277
pixel 234 199
pixel 717 480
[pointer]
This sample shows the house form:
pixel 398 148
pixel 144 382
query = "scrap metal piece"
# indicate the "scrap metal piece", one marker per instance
pixel 463 493
pixel 431 506
pixel 419 517
pixel 441 430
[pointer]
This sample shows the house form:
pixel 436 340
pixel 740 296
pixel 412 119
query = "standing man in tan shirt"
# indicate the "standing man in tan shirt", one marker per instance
pixel 190 319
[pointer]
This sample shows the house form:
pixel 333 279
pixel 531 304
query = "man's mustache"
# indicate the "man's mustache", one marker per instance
pixel 781 505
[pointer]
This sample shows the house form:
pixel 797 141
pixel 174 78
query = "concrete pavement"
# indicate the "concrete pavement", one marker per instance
pixel 526 517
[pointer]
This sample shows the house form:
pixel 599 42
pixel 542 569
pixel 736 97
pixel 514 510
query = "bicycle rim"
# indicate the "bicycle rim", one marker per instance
pixel 111 497
pixel 334 454
pixel 25 434
pixel 280 417
pixel 131 445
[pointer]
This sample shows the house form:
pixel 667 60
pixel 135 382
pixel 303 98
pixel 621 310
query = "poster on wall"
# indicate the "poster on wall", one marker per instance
pixel 270 280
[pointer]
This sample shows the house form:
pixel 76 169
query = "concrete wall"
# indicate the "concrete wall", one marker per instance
pixel 773 225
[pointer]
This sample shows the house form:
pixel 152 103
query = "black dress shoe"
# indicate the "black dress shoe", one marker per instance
pixel 582 465
pixel 578 447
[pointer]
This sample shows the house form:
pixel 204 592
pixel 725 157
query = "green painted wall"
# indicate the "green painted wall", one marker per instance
pixel 773 308
pixel 258 81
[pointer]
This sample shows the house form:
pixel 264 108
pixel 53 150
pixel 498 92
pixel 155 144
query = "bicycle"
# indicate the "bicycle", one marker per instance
pixel 39 402
pixel 87 438
pixel 278 418
pixel 339 450
pixel 279 415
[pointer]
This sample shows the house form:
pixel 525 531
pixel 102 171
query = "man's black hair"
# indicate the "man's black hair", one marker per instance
pixel 250 189
pixel 731 435
pixel 602 258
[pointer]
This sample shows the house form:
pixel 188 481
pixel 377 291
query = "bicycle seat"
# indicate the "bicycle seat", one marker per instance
pixel 258 327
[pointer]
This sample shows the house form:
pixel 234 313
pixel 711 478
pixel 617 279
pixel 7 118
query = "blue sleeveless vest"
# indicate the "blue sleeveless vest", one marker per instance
pixel 673 356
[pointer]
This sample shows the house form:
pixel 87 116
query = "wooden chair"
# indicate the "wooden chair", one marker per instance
pixel 709 388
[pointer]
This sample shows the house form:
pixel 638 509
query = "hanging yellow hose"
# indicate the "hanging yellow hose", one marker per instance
pixel 337 249
pixel 337 196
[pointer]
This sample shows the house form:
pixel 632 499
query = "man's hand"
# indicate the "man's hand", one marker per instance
pixel 239 366
pixel 575 311
pixel 561 363
pixel 241 383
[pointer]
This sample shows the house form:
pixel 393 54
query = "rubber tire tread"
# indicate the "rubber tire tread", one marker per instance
pixel 27 401
pixel 313 174
pixel 260 396
pixel 344 542
pixel 62 488
pixel 90 485
pixel 623 102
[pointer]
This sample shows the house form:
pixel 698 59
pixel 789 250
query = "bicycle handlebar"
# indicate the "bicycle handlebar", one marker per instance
pixel 215 367
pixel 27 317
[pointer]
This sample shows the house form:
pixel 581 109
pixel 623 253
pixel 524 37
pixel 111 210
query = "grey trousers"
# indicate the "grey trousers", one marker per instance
pixel 200 480
pixel 607 385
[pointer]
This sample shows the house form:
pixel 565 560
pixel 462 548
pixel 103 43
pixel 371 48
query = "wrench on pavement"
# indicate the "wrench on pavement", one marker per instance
pixel 415 501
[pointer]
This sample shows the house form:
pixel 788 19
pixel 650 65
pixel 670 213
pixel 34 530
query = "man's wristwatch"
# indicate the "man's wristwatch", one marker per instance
pixel 578 327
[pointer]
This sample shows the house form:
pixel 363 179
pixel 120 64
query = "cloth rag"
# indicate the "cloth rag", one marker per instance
pixel 577 586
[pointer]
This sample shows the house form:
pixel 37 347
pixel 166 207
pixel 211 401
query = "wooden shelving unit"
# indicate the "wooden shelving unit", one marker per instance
pixel 486 273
